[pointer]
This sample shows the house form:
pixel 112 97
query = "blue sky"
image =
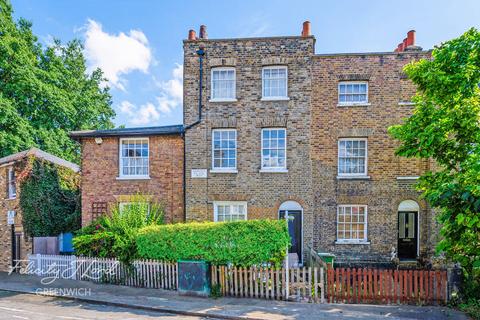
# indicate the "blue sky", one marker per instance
pixel 139 43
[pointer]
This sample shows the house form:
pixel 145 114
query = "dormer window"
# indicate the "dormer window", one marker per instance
pixel 223 84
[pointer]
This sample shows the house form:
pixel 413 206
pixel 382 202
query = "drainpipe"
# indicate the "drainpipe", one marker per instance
pixel 201 55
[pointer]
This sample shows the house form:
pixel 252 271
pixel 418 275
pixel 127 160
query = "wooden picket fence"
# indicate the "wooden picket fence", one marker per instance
pixel 142 273
pixel 270 283
pixel 386 286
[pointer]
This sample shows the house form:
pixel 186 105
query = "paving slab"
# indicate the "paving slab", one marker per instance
pixel 223 308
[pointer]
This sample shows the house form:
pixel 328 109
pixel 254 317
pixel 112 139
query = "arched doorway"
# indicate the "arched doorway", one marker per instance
pixel 294 212
pixel 408 235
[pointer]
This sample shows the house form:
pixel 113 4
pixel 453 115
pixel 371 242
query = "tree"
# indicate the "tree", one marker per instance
pixel 46 92
pixel 445 126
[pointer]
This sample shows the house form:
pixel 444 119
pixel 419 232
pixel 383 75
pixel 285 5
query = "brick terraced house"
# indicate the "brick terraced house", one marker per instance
pixel 119 164
pixel 273 129
pixel 15 244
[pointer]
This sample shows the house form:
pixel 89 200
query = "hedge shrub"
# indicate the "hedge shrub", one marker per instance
pixel 241 243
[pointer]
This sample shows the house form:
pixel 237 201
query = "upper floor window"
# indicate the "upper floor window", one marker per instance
pixel 223 84
pixel 11 184
pixel 352 157
pixel 352 93
pixel 224 149
pixel 274 149
pixel 274 83
pixel 352 223
pixel 230 210
pixel 134 158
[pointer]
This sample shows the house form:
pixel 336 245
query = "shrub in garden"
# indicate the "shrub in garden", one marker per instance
pixel 114 236
pixel 241 243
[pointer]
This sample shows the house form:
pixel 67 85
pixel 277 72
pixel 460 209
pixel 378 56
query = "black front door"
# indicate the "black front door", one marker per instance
pixel 407 235
pixel 295 231
pixel 16 247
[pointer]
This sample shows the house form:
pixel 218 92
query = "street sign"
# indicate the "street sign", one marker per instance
pixel 199 173
pixel 11 217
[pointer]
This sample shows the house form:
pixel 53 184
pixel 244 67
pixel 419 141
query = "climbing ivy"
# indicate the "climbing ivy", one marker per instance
pixel 49 198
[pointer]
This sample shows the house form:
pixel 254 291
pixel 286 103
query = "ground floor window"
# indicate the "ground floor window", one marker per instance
pixel 230 210
pixel 352 223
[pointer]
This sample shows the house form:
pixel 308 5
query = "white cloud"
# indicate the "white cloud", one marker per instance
pixel 116 55
pixel 170 98
pixel 143 115
pixel 171 95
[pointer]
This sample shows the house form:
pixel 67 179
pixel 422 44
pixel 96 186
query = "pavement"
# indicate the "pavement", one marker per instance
pixel 34 307
pixel 169 302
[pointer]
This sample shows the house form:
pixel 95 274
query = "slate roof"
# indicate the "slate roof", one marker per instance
pixel 129 132
pixel 41 155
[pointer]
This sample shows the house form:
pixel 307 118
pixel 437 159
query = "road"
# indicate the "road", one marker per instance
pixel 34 307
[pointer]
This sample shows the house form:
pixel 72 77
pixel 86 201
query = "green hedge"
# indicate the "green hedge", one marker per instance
pixel 241 243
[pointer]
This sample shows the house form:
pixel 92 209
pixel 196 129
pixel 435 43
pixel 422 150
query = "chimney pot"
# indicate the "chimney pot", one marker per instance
pixel 404 43
pixel 203 32
pixel 306 29
pixel 411 38
pixel 192 35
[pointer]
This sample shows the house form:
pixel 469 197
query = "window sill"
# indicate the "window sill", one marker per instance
pixel 273 171
pixel 408 178
pixel 352 242
pixel 223 171
pixel 275 99
pixel 353 177
pixel 134 178
pixel 8 198
pixel 363 104
pixel 406 103
pixel 222 100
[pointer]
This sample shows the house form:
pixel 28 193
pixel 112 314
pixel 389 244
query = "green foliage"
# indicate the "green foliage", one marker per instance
pixel 49 198
pixel 216 291
pixel 472 308
pixel 445 126
pixel 114 236
pixel 46 92
pixel 241 243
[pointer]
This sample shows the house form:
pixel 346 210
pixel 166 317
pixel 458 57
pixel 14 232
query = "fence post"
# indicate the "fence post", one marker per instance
pixel 73 266
pixel 322 285
pixel 38 267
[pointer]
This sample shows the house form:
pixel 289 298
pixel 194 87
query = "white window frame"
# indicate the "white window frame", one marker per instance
pixel 273 169
pixel 228 203
pixel 223 99
pixel 224 169
pixel 365 174
pixel 352 103
pixel 12 194
pixel 365 230
pixel 268 98
pixel 121 176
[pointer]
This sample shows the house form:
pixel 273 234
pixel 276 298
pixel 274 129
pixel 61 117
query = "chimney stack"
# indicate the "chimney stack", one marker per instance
pixel 306 29
pixel 203 32
pixel 408 44
pixel 192 35
pixel 410 38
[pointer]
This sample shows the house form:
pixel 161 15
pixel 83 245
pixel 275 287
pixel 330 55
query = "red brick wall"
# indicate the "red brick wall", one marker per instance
pixel 100 169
